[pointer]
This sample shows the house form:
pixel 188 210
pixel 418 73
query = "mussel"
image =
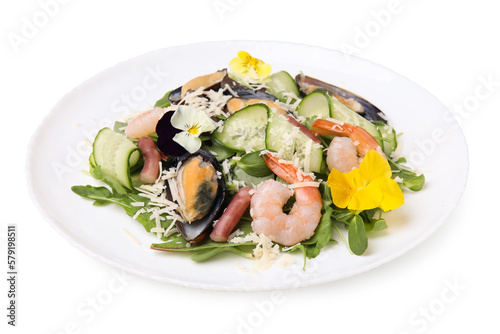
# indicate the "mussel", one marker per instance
pixel 245 92
pixel 200 193
pixel 208 81
pixel 357 103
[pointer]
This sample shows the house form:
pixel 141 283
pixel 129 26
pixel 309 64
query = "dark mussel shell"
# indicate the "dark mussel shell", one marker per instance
pixel 176 95
pixel 370 111
pixel 198 229
pixel 245 92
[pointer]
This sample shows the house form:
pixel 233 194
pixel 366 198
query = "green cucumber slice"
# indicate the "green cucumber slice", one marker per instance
pixel 291 143
pixel 279 83
pixel 389 137
pixel 115 154
pixel 310 154
pixel 245 130
pixel 342 113
pixel 280 135
pixel 317 104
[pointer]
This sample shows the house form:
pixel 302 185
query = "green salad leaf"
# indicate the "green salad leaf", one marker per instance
pixel 358 242
pixel 164 101
pixel 411 180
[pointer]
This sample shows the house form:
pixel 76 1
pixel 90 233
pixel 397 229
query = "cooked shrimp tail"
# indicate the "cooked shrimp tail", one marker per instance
pixel 285 171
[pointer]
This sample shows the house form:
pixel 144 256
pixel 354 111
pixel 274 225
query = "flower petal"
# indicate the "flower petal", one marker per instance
pixel 373 166
pixel 366 198
pixel 186 118
pixel 182 118
pixel 245 56
pixel 341 188
pixel 263 70
pixel 248 67
pixel 166 133
pixel 190 142
pixel 238 66
pixel 201 119
pixel 393 196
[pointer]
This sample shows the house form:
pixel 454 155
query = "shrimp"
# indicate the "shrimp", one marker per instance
pixel 266 207
pixel 144 124
pixel 348 150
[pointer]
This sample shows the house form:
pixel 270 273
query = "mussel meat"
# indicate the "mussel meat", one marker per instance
pixel 357 103
pixel 208 81
pixel 200 193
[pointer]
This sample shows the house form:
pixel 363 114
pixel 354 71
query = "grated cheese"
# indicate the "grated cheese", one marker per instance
pixel 265 252
pixel 131 236
pixel 304 184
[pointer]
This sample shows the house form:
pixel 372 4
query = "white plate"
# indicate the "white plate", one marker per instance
pixel 59 149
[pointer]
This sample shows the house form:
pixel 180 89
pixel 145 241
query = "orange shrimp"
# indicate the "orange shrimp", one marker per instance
pixel 266 207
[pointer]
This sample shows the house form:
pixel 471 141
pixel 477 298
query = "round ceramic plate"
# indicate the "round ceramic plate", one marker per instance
pixel 59 150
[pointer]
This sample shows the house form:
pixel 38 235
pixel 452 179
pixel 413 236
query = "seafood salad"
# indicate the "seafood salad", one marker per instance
pixel 255 163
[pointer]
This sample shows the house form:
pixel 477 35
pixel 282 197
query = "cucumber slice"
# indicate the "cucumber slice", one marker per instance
pixel 345 114
pixel 310 154
pixel 280 135
pixel 292 144
pixel 245 130
pixel 115 154
pixel 279 83
pixel 389 137
pixel 317 104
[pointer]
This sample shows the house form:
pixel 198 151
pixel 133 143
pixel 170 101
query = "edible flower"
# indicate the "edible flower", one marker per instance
pixel 192 123
pixel 367 187
pixel 247 66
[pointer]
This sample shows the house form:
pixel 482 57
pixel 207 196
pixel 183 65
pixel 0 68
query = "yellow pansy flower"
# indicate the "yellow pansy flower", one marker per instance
pixel 367 187
pixel 247 66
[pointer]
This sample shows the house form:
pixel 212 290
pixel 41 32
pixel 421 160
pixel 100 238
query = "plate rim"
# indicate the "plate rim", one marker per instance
pixel 32 189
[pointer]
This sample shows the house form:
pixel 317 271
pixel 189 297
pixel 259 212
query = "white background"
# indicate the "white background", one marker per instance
pixel 444 46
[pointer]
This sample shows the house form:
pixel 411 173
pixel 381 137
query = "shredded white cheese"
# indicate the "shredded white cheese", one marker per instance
pixel 131 236
pixel 303 184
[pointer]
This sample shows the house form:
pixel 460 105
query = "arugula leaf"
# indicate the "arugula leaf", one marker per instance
pixel 200 256
pixel 357 236
pixel 164 101
pixel 208 249
pixel 118 127
pixel 100 195
pixel 303 249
